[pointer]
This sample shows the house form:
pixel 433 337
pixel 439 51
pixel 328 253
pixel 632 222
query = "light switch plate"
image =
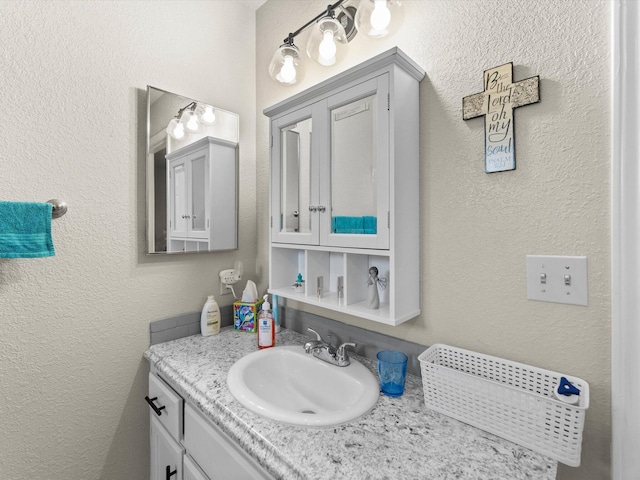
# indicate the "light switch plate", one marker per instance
pixel 557 279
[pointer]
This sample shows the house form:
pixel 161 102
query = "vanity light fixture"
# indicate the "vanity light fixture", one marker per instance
pixel 190 119
pixel 332 30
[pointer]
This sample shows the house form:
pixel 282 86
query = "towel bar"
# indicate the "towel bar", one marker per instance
pixel 59 207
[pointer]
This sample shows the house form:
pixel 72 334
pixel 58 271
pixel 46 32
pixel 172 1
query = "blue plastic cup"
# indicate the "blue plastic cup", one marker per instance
pixel 392 370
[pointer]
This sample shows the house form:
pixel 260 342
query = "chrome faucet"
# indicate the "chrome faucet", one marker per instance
pixel 326 352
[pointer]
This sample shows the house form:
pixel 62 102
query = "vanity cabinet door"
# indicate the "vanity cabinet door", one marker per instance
pixel 216 454
pixel 166 453
pixel 355 177
pixel 191 470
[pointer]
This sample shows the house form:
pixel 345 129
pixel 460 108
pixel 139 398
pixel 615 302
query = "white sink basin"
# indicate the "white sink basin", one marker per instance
pixel 290 386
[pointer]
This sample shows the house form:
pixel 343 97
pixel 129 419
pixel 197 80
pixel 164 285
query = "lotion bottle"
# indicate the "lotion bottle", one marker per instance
pixel 266 327
pixel 210 317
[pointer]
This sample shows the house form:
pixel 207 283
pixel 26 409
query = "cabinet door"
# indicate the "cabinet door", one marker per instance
pixel 216 454
pixel 294 174
pixel 355 178
pixel 191 470
pixel 166 454
pixel 178 198
pixel 198 201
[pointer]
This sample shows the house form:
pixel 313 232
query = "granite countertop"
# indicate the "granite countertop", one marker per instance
pixel 398 439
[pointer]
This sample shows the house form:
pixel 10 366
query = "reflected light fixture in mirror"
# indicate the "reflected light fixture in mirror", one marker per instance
pixel 332 30
pixel 168 131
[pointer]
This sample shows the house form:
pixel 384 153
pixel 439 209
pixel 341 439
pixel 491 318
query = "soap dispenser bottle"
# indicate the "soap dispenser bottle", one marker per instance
pixel 210 317
pixel 266 327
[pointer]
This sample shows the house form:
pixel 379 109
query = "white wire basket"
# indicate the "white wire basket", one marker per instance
pixel 508 399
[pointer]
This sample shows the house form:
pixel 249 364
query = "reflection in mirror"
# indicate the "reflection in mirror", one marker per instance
pixel 192 175
pixel 353 172
pixel 296 177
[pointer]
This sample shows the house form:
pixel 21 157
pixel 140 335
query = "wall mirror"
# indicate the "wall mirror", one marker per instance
pixel 192 175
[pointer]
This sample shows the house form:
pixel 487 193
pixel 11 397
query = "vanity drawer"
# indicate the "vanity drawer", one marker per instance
pixel 216 454
pixel 166 405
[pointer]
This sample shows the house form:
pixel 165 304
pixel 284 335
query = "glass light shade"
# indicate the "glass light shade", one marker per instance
pixel 206 114
pixel 285 66
pixel 378 18
pixel 176 129
pixel 190 121
pixel 327 41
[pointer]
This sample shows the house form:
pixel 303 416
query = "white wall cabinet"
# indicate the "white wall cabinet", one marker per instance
pixel 202 184
pixel 185 445
pixel 345 189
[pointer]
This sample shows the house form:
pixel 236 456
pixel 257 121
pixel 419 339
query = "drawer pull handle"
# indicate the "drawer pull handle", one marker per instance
pixel 156 409
pixel 170 473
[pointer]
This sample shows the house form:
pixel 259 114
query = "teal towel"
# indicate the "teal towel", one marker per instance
pixel 343 224
pixel 359 225
pixel 370 225
pixel 25 230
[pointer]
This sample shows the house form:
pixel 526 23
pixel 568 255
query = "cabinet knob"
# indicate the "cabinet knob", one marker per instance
pixel 151 403
pixel 313 208
pixel 170 473
pixel 322 208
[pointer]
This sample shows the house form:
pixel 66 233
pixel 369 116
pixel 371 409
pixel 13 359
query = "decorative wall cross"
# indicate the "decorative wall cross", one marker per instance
pixel 496 103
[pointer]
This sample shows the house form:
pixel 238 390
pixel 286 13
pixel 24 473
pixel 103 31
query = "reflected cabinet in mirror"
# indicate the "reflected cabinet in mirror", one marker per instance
pixel 192 175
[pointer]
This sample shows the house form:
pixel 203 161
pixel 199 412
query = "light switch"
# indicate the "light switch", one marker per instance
pixel 558 279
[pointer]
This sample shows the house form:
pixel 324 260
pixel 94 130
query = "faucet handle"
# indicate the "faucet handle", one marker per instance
pixel 318 337
pixel 341 353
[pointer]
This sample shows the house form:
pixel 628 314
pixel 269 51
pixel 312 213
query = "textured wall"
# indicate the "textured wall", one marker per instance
pixel 73 327
pixel 476 229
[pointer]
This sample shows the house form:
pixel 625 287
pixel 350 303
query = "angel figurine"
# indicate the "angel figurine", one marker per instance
pixel 373 300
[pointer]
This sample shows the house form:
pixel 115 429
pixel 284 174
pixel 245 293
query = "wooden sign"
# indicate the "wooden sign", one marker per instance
pixel 496 103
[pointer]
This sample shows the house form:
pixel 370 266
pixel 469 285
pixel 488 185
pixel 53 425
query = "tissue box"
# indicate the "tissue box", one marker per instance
pixel 245 316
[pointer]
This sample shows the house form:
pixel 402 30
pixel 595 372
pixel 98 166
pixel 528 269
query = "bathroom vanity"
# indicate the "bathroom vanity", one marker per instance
pixel 216 437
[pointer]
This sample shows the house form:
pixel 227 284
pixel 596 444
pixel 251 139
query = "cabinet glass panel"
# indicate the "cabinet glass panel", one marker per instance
pixel 353 167
pixel 295 171
pixel 198 183
pixel 180 197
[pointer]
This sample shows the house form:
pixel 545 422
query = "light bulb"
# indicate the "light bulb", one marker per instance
pixel 381 16
pixel 177 130
pixel 190 120
pixel 327 48
pixel 285 66
pixel 208 116
pixel 192 123
pixel 288 71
